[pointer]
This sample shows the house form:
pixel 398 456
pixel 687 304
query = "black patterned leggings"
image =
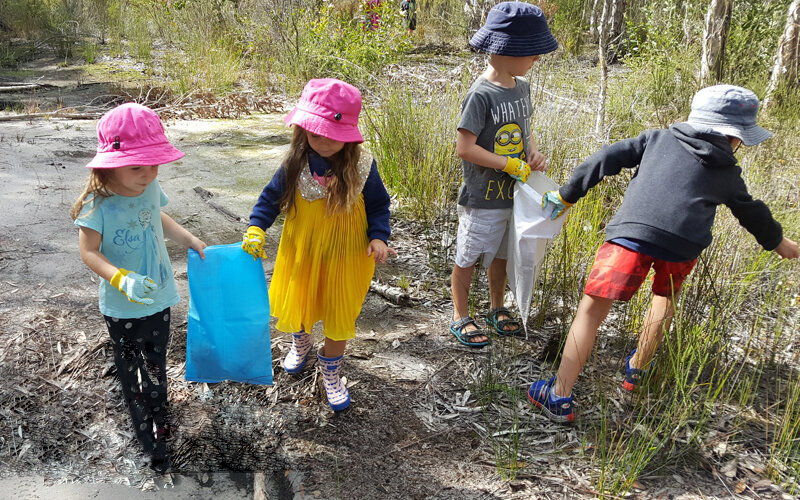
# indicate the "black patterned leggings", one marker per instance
pixel 140 354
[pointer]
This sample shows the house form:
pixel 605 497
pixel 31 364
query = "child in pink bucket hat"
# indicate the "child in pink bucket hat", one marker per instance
pixel 121 238
pixel 330 108
pixel 132 134
pixel 336 229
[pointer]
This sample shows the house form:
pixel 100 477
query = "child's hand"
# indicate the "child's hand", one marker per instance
pixel 787 249
pixel 559 205
pixel 198 245
pixel 517 169
pixel 253 242
pixel 133 285
pixel 537 162
pixel 380 251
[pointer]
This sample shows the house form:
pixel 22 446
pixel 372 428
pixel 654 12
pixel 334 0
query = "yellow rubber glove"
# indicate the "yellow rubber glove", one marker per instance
pixel 253 242
pixel 133 285
pixel 517 169
pixel 559 205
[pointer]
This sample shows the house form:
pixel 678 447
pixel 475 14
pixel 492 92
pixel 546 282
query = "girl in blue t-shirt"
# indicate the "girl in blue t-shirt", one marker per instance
pixel 121 238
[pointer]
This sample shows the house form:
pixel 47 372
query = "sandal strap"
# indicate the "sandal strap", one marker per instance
pixel 501 323
pixel 461 323
pixel 499 310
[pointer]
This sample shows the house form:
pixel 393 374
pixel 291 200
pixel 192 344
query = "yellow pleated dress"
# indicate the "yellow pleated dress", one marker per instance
pixel 322 271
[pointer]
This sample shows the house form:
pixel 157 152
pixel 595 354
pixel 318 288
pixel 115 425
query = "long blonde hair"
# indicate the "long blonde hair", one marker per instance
pixel 96 185
pixel 345 184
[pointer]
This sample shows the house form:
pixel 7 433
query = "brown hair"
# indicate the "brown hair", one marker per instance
pixel 345 184
pixel 96 185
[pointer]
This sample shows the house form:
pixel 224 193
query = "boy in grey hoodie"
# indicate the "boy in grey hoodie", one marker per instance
pixel 664 222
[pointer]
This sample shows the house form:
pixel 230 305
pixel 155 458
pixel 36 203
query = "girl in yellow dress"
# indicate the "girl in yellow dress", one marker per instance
pixel 335 230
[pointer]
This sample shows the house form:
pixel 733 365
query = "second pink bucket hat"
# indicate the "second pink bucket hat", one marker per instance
pixel 132 135
pixel 330 108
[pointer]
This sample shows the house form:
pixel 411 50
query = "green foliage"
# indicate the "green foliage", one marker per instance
pixel 752 42
pixel 568 22
pixel 335 42
pixel 26 18
pixel 412 138
pixel 89 51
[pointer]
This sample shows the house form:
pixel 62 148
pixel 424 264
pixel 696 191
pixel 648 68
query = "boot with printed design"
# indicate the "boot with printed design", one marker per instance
pixel 338 396
pixel 301 346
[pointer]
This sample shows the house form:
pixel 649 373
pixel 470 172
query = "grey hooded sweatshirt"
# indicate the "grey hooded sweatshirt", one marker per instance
pixel 672 198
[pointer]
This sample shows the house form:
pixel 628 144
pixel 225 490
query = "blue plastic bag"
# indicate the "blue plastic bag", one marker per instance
pixel 228 329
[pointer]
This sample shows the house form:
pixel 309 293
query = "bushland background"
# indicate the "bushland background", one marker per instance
pixel 431 419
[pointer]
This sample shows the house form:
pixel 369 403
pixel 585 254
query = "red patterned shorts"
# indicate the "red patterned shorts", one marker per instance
pixel 617 273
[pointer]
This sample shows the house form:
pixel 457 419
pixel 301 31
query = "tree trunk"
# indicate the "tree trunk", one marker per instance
pixel 715 36
pixel 602 39
pixel 616 28
pixel 593 20
pixel 787 59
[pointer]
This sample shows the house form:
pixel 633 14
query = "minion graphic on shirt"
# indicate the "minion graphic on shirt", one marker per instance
pixel 508 141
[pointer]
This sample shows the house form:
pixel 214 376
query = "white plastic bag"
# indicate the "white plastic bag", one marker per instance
pixel 531 229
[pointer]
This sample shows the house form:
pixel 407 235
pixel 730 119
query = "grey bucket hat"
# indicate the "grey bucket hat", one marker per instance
pixel 728 110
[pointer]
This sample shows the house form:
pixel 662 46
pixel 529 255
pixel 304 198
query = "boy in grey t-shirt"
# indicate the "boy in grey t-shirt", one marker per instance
pixel 495 147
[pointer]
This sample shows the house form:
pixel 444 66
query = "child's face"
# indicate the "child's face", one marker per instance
pixel 516 66
pixel 521 65
pixel 323 146
pixel 133 180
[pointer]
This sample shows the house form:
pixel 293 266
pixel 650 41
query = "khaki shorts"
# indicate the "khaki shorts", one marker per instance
pixel 482 232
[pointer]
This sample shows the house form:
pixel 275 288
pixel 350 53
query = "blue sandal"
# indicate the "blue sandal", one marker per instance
pixel 457 329
pixel 500 324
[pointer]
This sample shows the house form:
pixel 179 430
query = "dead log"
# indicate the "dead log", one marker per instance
pixel 51 114
pixel 392 294
pixel 206 196
pixel 22 86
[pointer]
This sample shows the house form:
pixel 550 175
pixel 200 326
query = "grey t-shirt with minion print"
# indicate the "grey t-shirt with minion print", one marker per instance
pixel 500 118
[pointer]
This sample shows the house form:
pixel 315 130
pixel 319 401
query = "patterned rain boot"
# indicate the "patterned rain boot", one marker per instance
pixel 301 346
pixel 338 396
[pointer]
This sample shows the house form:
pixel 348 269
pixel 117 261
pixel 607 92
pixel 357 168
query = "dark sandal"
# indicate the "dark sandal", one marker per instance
pixel 457 329
pixel 500 325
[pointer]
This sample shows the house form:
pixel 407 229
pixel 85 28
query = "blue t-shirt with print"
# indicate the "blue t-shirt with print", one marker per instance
pixel 133 239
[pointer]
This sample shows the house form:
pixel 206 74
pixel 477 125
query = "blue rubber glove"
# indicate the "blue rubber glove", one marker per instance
pixel 253 242
pixel 517 169
pixel 559 205
pixel 133 285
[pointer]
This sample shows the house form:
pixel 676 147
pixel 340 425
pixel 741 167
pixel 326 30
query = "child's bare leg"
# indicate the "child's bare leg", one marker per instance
pixel 656 322
pixel 497 282
pixel 497 288
pixel 580 341
pixel 333 348
pixel 459 284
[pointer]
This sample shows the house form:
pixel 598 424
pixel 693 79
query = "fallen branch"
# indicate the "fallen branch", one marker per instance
pixel 206 196
pixel 22 86
pixel 392 294
pixel 52 114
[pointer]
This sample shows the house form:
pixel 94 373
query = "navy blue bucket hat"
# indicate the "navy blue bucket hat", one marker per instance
pixel 728 110
pixel 515 29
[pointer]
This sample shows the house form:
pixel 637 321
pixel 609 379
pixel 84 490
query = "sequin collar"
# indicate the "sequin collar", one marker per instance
pixel 312 190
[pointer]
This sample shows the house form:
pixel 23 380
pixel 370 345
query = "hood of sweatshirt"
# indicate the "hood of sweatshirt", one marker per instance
pixel 711 149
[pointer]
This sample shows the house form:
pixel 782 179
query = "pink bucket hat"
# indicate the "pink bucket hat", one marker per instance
pixel 132 134
pixel 330 108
